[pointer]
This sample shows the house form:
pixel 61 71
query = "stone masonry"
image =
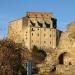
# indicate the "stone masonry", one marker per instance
pixel 62 59
pixel 36 28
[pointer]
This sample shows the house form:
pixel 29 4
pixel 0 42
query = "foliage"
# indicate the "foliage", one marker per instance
pixel 34 49
pixel 11 57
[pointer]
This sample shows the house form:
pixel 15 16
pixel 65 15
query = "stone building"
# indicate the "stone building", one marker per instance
pixel 62 59
pixel 40 29
pixel 36 28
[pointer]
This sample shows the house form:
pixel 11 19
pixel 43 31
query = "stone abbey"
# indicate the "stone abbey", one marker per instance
pixel 40 29
pixel 36 28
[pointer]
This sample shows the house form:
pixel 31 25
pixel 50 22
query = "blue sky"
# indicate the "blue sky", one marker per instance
pixel 64 11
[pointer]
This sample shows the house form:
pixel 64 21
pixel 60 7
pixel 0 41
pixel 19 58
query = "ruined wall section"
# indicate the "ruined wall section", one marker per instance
pixel 15 31
pixel 58 36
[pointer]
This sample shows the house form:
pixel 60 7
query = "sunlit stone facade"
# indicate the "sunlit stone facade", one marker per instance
pixel 36 28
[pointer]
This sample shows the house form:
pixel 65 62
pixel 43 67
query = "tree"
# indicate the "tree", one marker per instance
pixel 34 49
pixel 11 57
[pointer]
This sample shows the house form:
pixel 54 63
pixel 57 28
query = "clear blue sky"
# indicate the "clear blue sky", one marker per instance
pixel 64 11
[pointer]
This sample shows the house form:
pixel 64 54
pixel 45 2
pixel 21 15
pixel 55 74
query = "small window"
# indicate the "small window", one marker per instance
pixel 70 63
pixel 44 41
pixel 50 42
pixel 50 35
pixel 32 34
pixel 38 28
pixel 26 37
pixel 32 29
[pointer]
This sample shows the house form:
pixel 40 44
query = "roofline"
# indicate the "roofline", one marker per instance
pixel 15 20
pixel 39 12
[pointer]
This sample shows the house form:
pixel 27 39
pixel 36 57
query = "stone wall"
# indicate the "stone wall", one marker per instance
pixel 15 31
pixel 35 28
pixel 43 38
pixel 65 69
pixel 63 57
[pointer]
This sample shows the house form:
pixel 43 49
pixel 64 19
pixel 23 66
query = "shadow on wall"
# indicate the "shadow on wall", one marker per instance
pixel 65 59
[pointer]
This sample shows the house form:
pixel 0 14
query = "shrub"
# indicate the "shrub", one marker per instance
pixel 11 57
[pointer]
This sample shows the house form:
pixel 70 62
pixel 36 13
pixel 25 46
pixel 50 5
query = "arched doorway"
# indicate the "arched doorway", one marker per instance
pixel 65 59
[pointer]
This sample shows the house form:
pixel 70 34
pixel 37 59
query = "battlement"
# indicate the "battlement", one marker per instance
pixel 40 14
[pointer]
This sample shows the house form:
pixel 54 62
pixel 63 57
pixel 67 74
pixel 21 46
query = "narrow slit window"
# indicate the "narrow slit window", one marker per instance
pixel 47 25
pixel 33 24
pixel 40 24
